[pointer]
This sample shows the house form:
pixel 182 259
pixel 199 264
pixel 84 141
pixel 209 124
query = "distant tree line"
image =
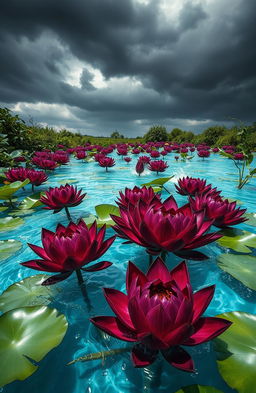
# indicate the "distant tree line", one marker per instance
pixel 212 136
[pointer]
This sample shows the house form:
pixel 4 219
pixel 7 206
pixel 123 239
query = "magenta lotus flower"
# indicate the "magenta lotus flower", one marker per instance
pixel 176 157
pixel 44 164
pixel 145 159
pixel 36 178
pixel 60 158
pixel 223 213
pixel 155 154
pixel 16 174
pixel 192 186
pixel 135 151
pixel 69 249
pixel 238 156
pixel 160 313
pixel 62 197
pixel 165 227
pixel 203 153
pixel 164 153
pixel 81 154
pixel 127 159
pixel 106 162
pixel 133 196
pixel 215 150
pixel 139 167
pixel 157 166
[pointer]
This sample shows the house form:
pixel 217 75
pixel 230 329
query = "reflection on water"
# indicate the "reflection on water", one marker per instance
pixel 116 373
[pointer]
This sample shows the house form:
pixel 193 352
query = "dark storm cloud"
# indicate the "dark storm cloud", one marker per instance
pixel 200 67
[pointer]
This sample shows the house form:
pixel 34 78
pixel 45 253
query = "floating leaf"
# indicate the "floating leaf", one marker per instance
pixel 8 248
pixel 238 240
pixel 8 190
pixel 26 334
pixel 238 202
pixel 251 219
pixel 31 201
pixel 69 181
pixel 8 223
pixel 28 292
pixel 16 153
pixel 159 182
pixel 198 389
pixel 242 267
pixel 236 351
pixel 21 212
pixel 103 213
pixel 3 208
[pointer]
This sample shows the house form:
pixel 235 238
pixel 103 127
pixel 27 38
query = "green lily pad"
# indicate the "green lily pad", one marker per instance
pixel 27 333
pixel 242 267
pixel 199 389
pixel 21 212
pixel 236 351
pixel 251 219
pixel 238 240
pixel 8 248
pixel 69 181
pixel 103 215
pixel 28 292
pixel 16 153
pixel 8 190
pixel 31 201
pixel 8 223
pixel 3 208
pixel 159 182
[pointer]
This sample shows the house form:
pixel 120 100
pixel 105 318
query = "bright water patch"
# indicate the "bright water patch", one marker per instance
pixel 116 374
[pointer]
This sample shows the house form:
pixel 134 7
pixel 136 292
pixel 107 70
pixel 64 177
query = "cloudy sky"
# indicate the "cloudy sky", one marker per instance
pixel 96 66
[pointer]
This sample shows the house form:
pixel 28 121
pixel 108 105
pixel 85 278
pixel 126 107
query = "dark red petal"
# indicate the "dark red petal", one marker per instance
pixel 98 266
pixel 39 251
pixel 132 273
pixel 56 278
pixel 180 275
pixel 158 270
pixel 206 329
pixel 113 327
pixel 179 358
pixel 142 356
pixel 118 301
pixel 202 299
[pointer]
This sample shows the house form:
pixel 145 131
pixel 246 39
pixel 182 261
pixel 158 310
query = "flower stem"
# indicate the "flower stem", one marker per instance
pixel 79 277
pixel 33 187
pixel 99 355
pixel 68 214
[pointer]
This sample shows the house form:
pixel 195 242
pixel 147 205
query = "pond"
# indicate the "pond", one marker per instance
pixel 116 374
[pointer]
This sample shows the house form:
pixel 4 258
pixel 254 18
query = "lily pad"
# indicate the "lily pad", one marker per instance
pixel 159 182
pixel 16 153
pixel 238 240
pixel 69 181
pixel 238 202
pixel 103 215
pixel 21 212
pixel 3 208
pixel 31 201
pixel 9 223
pixel 236 351
pixel 8 190
pixel 199 389
pixel 27 334
pixel 242 267
pixel 28 292
pixel 8 248
pixel 251 219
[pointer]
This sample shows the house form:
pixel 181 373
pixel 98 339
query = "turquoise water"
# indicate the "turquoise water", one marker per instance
pixel 116 374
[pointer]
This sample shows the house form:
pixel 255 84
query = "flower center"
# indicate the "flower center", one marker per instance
pixel 161 290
